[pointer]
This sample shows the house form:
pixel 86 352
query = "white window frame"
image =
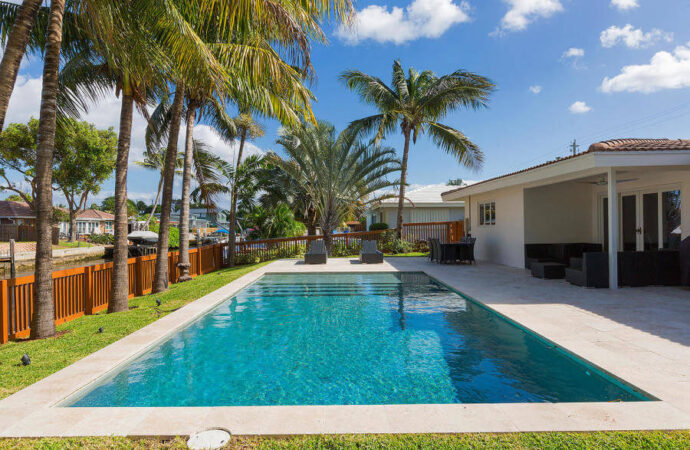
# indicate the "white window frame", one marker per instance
pixel 482 208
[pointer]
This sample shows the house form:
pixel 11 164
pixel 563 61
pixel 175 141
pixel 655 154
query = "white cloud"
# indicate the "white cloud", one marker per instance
pixel 632 37
pixel 664 71
pixel 579 107
pixel 523 12
pixel 624 5
pixel 574 55
pixel 420 19
pixel 536 89
pixel 221 148
pixel 573 52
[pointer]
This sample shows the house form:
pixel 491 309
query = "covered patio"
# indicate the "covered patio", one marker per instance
pixel 618 196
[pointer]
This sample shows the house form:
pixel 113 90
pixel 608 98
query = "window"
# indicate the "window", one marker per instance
pixel 487 213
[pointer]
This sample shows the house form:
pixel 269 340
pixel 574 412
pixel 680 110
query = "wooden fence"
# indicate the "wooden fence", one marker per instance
pixel 24 233
pixel 86 290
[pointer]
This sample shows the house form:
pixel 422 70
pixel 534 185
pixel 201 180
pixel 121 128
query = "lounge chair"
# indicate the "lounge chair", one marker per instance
pixel 370 254
pixel 592 270
pixel 316 254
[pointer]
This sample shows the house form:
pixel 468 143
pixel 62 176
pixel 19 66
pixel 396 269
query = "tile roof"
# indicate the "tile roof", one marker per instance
pixel 613 145
pixel 94 214
pixel 9 208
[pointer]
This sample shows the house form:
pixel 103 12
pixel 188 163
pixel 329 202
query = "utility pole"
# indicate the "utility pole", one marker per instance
pixel 574 146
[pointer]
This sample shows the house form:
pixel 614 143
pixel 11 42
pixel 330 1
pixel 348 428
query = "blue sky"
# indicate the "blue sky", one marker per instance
pixel 564 69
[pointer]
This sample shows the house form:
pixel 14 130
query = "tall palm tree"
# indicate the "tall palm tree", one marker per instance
pixel 43 318
pixel 17 41
pixel 247 128
pixel 208 170
pixel 278 188
pixel 339 172
pixel 415 103
pixel 154 160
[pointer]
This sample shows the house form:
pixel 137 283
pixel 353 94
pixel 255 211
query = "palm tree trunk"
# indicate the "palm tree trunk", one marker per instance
pixel 43 318
pixel 233 205
pixel 403 181
pixel 155 204
pixel 186 185
pixel 311 221
pixel 14 52
pixel 119 294
pixel 160 279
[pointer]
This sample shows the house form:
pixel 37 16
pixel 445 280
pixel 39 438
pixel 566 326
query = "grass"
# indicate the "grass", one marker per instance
pixel 607 440
pixel 80 337
pixel 387 255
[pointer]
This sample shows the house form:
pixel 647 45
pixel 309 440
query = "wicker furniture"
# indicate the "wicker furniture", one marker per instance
pixel 316 254
pixel 548 270
pixel 370 254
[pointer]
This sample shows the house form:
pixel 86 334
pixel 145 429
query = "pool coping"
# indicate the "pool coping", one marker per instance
pixel 34 411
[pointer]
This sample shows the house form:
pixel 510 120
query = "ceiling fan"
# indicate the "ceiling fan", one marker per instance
pixel 603 181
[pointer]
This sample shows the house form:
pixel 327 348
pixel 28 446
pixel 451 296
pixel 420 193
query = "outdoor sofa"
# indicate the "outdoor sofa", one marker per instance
pixel 316 254
pixel 370 254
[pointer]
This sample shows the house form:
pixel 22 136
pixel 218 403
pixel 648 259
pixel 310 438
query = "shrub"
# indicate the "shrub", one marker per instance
pixel 390 244
pixel 378 226
pixel 173 235
pixel 102 239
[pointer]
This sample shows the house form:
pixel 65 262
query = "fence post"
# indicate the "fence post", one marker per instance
pixel 138 277
pixel 4 313
pixel 88 291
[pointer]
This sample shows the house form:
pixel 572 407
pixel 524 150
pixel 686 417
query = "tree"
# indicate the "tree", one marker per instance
pixel 247 128
pixel 340 173
pixel 109 204
pixel 154 160
pixel 278 188
pixel 247 176
pixel 415 103
pixel 455 182
pixel 14 198
pixel 43 317
pixel 142 207
pixel 208 170
pixel 272 223
pixel 87 159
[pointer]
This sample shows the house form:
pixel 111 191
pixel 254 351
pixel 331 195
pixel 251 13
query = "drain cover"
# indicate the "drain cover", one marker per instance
pixel 209 439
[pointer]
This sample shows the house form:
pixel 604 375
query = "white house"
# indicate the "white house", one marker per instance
pixel 91 221
pixel 421 206
pixel 624 194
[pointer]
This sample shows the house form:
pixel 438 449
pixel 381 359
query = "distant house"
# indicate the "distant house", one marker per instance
pixel 422 205
pixel 91 221
pixel 17 213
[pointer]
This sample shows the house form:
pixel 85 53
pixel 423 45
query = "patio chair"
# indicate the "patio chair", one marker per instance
pixel 592 270
pixel 316 254
pixel 433 250
pixel 467 250
pixel 370 254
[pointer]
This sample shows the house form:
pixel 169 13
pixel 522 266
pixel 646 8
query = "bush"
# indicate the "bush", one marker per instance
pixel 173 235
pixel 102 239
pixel 390 244
pixel 378 226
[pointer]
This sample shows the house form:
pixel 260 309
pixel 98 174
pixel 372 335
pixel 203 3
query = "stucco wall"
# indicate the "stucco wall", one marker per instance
pixel 559 213
pixel 503 243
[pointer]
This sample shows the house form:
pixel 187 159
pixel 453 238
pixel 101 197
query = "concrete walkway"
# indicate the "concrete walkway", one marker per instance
pixel 640 335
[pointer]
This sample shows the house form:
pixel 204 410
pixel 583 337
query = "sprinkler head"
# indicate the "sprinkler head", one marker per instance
pixel 26 360
pixel 100 330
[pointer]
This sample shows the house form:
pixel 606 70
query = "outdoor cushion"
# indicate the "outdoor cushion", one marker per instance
pixel 548 270
pixel 370 254
pixel 316 254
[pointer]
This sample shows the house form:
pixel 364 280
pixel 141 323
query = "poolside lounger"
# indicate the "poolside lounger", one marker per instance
pixel 370 254
pixel 316 254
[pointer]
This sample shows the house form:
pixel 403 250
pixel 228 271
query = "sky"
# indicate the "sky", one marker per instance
pixel 588 70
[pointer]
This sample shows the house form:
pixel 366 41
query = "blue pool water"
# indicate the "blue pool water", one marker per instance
pixel 322 339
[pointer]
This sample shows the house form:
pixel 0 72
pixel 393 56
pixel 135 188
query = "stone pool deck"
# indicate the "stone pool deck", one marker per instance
pixel 640 335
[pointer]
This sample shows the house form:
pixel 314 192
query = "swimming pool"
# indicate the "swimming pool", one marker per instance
pixel 352 338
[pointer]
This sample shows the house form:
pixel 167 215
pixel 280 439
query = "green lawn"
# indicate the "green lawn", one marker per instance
pixel 604 440
pixel 80 337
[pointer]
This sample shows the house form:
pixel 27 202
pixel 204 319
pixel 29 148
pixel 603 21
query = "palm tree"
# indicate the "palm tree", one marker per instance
pixel 339 172
pixel 247 128
pixel 279 188
pixel 416 103
pixel 43 318
pixel 153 160
pixel 208 170
pixel 17 41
